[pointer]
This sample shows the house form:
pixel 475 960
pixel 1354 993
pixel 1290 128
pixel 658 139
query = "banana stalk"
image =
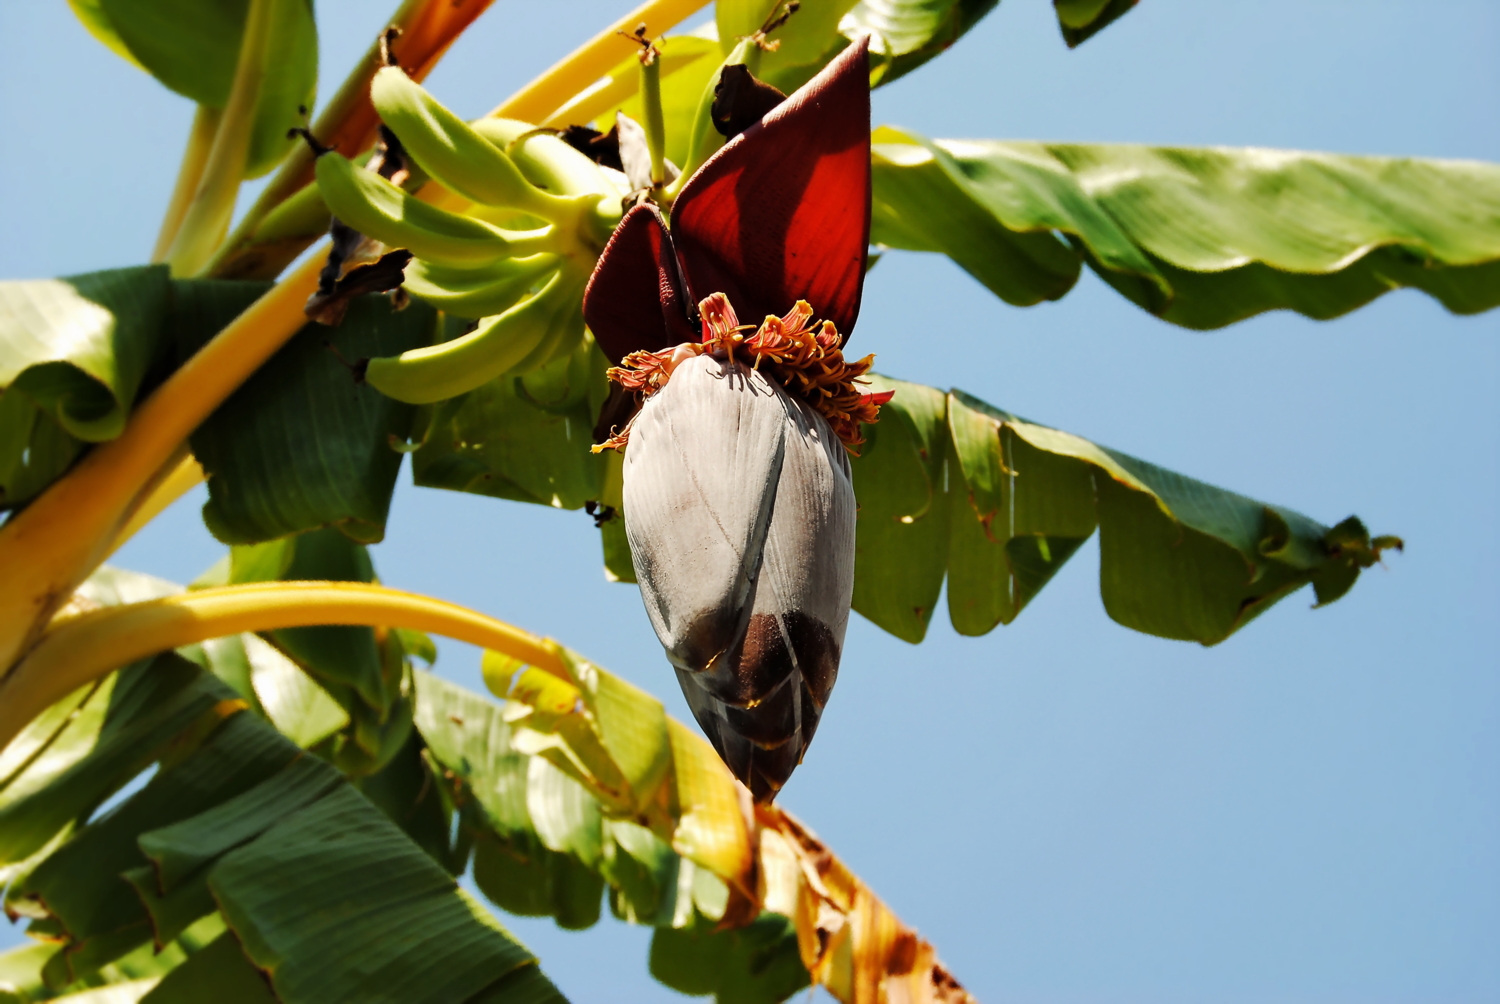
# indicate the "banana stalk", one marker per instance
pixel 79 648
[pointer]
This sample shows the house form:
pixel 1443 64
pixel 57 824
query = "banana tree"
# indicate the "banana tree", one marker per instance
pixel 317 796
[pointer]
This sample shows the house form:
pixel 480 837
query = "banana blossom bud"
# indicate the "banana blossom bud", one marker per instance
pixel 738 501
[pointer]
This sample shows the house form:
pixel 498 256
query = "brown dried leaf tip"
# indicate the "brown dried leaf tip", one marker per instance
pixel 805 357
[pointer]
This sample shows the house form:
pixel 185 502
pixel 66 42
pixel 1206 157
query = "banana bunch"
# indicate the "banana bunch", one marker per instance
pixel 517 261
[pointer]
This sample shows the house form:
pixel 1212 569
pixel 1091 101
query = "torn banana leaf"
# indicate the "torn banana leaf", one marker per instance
pixel 951 486
pixel 74 353
pixel 907 33
pixel 1201 237
pixel 747 909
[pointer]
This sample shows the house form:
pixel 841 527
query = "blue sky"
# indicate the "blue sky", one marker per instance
pixel 1070 811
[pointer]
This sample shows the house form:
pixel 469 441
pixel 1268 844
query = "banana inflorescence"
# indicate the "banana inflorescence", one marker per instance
pixel 516 261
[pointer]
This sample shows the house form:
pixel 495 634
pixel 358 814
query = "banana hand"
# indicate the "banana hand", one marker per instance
pixel 455 155
pixel 379 209
pixel 565 328
pixel 499 344
pixel 478 292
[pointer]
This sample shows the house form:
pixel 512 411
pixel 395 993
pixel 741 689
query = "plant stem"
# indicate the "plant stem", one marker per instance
pixel 590 61
pixel 180 476
pixel 83 647
pixel 208 215
pixel 52 545
pixel 200 141
pixel 656 126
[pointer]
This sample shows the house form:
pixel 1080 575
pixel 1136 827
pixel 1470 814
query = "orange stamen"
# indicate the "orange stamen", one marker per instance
pixel 805 359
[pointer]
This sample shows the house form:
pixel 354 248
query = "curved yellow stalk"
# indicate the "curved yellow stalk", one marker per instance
pixel 52 545
pixel 200 142
pixel 183 475
pixel 590 61
pixel 82 647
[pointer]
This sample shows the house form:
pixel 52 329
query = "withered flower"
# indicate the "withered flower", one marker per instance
pixel 738 502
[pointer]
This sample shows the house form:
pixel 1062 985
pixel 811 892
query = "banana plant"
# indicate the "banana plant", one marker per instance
pixel 663 239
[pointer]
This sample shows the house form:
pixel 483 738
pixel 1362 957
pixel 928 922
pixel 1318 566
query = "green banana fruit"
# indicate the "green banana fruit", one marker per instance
pixel 545 160
pixel 455 155
pixel 499 344
pixel 564 328
pixel 375 207
pixel 551 164
pixel 478 292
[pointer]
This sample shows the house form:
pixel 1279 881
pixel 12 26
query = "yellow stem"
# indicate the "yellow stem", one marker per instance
pixel 590 61
pixel 82 647
pixel 181 476
pixel 200 141
pixel 208 215
pixel 52 545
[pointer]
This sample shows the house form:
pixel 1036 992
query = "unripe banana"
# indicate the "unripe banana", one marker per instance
pixel 375 207
pixel 477 292
pixel 564 329
pixel 545 160
pixel 551 164
pixel 455 155
pixel 438 372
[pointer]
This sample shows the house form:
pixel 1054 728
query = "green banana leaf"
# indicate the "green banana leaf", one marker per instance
pixel 949 485
pixel 1199 237
pixel 193 48
pixel 747 965
pixel 21 979
pixel 74 353
pixel 534 431
pixel 218 973
pixel 90 744
pixel 302 444
pixel 907 33
pixel 322 892
pixel 1080 20
pixel 540 839
pixel 77 889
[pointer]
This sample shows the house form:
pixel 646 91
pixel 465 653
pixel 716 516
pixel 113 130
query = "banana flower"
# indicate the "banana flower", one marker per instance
pixel 738 503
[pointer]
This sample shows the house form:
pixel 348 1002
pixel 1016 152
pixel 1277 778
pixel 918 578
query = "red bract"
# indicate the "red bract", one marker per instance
pixel 780 214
